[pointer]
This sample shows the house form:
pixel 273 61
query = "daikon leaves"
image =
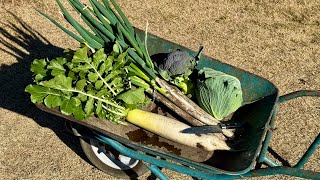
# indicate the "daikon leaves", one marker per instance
pixel 84 84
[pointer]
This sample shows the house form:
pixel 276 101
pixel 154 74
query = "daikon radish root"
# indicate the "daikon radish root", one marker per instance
pixel 171 129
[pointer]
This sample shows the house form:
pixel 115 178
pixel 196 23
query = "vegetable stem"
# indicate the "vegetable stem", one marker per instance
pixel 112 91
pixel 122 113
pixel 89 95
pixel 148 59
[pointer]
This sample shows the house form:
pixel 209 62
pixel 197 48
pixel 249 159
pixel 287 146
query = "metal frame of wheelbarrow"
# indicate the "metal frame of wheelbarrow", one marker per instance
pixel 203 171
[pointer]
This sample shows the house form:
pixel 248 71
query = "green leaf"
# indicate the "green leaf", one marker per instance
pixel 121 61
pixel 117 81
pixel 102 68
pixel 116 48
pixel 133 96
pixel 39 77
pixel 52 101
pixel 220 94
pixel 108 63
pixel 60 82
pixel 78 113
pixel 122 55
pixel 82 74
pixel 38 93
pixel 92 92
pixel 82 97
pixel 38 68
pixel 70 65
pixel 93 77
pixel 99 111
pixel 131 106
pixel 81 55
pixel 72 75
pixel 88 109
pixel 89 87
pixel 112 74
pixel 81 84
pixel 103 93
pixel 69 105
pixel 98 84
pixel 80 67
pixel 57 66
pixel 76 101
pixel 99 57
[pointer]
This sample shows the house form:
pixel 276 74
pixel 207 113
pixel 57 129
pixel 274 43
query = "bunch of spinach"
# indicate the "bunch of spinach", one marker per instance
pixel 85 84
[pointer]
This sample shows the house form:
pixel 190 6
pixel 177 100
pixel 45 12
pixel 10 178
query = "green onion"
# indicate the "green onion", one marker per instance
pixel 78 27
pixel 93 21
pixel 74 36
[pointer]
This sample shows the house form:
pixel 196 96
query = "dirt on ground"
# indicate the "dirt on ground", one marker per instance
pixel 278 40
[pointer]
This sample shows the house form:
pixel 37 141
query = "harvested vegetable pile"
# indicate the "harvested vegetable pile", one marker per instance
pixel 109 75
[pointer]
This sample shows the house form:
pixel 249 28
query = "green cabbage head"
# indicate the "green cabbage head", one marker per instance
pixel 219 94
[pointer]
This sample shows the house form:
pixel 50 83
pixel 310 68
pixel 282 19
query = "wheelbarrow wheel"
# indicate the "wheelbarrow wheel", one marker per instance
pixel 111 161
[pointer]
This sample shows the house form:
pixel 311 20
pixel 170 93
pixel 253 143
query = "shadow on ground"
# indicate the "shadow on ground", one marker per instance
pixel 26 44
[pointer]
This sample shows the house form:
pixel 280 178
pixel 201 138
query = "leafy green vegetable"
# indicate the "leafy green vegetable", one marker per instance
pixel 56 66
pixel 219 94
pixel 133 96
pixel 84 84
pixel 38 67
pixel 38 93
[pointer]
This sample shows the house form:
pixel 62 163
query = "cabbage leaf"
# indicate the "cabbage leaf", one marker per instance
pixel 218 93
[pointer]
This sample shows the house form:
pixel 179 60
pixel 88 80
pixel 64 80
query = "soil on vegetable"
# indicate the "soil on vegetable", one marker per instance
pixel 278 40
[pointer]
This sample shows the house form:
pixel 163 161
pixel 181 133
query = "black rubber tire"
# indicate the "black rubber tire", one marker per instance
pixel 133 173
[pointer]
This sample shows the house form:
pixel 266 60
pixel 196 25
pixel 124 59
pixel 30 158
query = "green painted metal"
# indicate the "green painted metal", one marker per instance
pixel 268 138
pixel 293 95
pixel 158 162
pixel 309 152
pixel 157 172
pixel 281 170
pixel 296 94
pixel 269 162
pixel 194 172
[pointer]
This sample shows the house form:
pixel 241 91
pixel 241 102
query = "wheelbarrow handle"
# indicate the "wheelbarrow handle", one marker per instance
pixel 263 154
pixel 297 94
pixel 316 142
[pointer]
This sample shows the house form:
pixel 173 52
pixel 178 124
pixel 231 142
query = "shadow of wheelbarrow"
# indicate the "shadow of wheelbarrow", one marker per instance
pixel 25 44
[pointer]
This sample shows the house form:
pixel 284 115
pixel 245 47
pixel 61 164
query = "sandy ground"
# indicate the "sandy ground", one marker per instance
pixel 278 40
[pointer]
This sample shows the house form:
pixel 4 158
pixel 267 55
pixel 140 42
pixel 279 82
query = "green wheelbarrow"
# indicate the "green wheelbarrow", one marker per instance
pixel 128 152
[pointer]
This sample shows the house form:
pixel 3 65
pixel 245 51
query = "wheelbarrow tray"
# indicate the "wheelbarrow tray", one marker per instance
pixel 261 93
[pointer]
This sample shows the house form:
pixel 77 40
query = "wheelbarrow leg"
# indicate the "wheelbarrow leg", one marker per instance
pixel 156 171
pixel 309 152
